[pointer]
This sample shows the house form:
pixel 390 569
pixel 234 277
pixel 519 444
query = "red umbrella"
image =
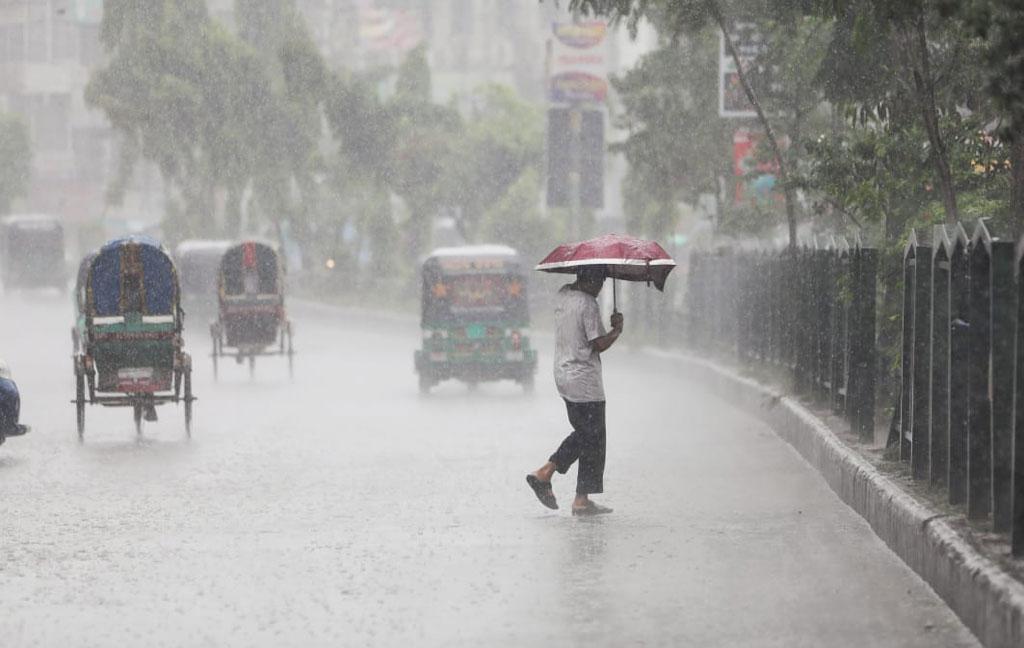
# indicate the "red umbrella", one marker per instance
pixel 623 257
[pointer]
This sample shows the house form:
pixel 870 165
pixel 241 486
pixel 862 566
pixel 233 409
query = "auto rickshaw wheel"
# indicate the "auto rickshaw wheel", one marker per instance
pixel 188 402
pixel 80 401
pixel 528 383
pixel 252 365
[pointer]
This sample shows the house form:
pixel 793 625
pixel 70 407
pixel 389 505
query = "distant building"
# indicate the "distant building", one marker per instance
pixel 47 48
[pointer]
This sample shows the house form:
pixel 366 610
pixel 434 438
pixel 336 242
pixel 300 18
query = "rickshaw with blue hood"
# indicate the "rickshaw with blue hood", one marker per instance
pixel 129 333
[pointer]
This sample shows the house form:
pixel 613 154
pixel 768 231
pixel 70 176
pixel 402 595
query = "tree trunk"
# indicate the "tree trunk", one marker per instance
pixel 1017 178
pixel 787 188
pixel 924 85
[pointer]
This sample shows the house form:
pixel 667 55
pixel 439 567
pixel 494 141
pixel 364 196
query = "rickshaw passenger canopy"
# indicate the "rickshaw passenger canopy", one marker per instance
pixel 133 275
pixel 248 258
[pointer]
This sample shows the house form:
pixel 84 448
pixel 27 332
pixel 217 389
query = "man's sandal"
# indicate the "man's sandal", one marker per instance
pixel 590 509
pixel 542 489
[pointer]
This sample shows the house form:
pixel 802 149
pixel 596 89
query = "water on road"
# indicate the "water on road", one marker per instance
pixel 342 508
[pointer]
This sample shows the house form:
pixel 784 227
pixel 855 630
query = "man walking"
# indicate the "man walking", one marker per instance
pixel 580 339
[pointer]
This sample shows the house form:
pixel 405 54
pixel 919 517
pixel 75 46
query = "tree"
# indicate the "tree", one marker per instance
pixel 503 137
pixel 999 23
pixel 213 111
pixel 515 218
pixel 676 145
pixel 690 17
pixel 15 160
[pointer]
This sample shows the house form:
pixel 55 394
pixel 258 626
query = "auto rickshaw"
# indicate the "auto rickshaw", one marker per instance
pixel 198 263
pixel 475 318
pixel 32 252
pixel 129 333
pixel 252 317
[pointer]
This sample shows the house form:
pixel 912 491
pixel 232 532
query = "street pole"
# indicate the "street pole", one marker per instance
pixel 575 162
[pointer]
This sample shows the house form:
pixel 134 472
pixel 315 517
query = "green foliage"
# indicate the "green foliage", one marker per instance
pixel 501 140
pixel 516 218
pixel 210 110
pixel 15 160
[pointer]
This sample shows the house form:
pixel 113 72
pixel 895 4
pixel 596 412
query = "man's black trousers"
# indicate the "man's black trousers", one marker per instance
pixel 586 443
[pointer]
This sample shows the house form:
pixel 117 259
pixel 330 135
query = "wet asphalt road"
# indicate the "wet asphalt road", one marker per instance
pixel 342 509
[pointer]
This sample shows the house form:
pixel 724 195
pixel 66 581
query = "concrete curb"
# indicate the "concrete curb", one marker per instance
pixel 987 600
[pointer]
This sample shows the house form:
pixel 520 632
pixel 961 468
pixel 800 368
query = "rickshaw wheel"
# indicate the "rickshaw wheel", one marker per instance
pixel 137 417
pixel 425 384
pixel 252 366
pixel 80 402
pixel 188 403
pixel 291 351
pixel 215 339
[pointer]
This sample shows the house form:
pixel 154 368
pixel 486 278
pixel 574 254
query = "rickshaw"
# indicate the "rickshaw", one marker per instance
pixel 252 317
pixel 198 262
pixel 474 318
pixel 32 252
pixel 128 337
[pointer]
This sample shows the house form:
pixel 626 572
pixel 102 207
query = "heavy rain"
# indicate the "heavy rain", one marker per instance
pixel 505 322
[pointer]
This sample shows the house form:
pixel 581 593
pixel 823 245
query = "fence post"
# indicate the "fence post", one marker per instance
pixel 907 348
pixel 979 349
pixel 861 343
pixel 920 442
pixel 959 340
pixel 939 418
pixel 1004 318
pixel 838 347
pixel 1017 524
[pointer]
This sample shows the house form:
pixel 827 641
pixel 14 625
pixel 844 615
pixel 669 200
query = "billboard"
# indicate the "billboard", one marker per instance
pixel 749 44
pixel 578 62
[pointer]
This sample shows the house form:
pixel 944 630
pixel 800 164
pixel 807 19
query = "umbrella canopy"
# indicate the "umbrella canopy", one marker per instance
pixel 623 257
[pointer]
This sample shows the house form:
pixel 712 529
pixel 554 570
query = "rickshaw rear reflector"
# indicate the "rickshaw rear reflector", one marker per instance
pixel 135 379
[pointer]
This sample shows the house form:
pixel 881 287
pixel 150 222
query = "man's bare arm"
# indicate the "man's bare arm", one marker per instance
pixel 605 342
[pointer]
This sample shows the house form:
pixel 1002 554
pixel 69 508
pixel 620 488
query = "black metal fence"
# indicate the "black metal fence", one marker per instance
pixel 810 312
pixel 961 406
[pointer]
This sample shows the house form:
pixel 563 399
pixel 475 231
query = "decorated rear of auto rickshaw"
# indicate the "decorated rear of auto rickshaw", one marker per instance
pixel 252 320
pixel 129 332
pixel 475 318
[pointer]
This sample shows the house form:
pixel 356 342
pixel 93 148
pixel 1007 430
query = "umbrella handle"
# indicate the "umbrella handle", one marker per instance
pixel 615 295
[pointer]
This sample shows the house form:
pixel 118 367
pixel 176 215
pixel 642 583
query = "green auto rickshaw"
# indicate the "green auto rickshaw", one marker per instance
pixel 475 318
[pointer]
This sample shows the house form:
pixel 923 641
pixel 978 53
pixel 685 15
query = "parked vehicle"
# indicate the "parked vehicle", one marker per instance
pixel 32 252
pixel 129 332
pixel 198 263
pixel 10 406
pixel 475 318
pixel 252 320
